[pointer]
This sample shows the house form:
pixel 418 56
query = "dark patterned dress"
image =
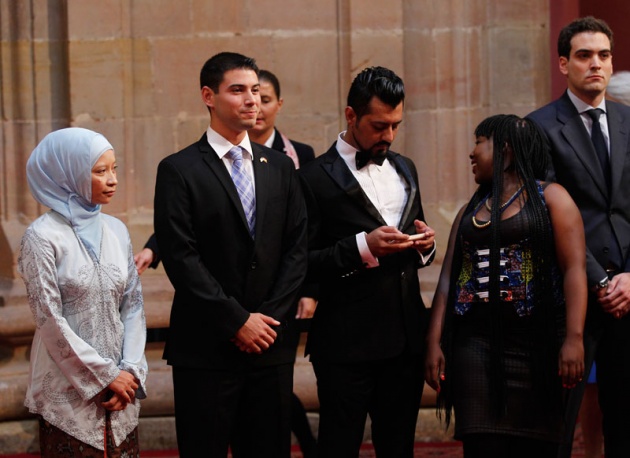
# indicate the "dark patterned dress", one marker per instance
pixel 525 412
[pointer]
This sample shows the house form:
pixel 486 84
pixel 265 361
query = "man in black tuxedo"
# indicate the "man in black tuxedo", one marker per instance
pixel 591 159
pixel 230 224
pixel 366 338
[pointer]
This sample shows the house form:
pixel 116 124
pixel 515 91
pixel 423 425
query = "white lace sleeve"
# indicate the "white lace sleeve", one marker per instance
pixel 133 318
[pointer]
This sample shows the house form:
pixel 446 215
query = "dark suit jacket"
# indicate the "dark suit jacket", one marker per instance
pixel 575 166
pixel 219 273
pixel 304 152
pixel 153 246
pixel 305 155
pixel 363 314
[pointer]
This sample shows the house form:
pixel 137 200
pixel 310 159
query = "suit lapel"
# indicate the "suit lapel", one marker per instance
pixel 402 169
pixel 576 135
pixel 261 176
pixel 618 132
pixel 278 144
pixel 336 167
pixel 220 171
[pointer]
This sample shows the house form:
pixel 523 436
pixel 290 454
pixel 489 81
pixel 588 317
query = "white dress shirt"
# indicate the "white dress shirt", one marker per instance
pixel 583 107
pixel 222 146
pixel 386 189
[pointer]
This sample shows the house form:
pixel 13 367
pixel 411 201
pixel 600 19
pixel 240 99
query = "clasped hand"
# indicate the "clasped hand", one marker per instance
pixel 256 335
pixel 615 299
pixel 122 390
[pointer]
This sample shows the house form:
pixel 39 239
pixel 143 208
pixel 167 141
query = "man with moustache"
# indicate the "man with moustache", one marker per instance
pixel 230 224
pixel 367 239
pixel 590 142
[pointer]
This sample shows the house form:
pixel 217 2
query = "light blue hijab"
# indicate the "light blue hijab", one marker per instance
pixel 59 173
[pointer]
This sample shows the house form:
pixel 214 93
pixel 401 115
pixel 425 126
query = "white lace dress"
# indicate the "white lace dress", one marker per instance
pixel 90 325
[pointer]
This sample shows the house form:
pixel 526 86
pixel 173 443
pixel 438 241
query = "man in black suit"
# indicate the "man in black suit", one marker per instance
pixel 265 133
pixel 591 159
pixel 366 338
pixel 230 224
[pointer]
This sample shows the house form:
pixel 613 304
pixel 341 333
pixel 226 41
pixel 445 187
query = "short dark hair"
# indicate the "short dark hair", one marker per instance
pixel 213 70
pixel 266 75
pixel 375 82
pixel 585 24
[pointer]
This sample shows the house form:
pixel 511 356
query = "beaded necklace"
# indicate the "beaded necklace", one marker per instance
pixel 501 208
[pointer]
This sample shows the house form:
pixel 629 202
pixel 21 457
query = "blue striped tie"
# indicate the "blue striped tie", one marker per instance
pixel 244 186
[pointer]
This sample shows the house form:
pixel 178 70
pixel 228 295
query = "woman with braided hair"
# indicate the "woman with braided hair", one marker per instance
pixel 505 337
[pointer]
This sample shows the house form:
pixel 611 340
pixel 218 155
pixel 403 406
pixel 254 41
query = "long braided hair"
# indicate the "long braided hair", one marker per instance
pixel 530 154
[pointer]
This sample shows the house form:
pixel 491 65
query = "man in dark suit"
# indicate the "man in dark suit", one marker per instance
pixel 591 159
pixel 366 338
pixel 230 224
pixel 265 133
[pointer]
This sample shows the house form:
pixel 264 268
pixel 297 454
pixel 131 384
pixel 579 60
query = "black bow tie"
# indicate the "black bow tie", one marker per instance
pixel 363 157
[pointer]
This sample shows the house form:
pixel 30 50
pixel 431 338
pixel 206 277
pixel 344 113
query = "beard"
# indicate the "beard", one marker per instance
pixel 379 149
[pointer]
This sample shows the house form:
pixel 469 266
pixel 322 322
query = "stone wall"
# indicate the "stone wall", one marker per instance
pixel 129 69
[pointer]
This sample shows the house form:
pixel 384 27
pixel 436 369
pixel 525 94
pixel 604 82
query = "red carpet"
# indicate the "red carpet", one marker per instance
pixel 451 449
pixel 437 449
pixel 422 450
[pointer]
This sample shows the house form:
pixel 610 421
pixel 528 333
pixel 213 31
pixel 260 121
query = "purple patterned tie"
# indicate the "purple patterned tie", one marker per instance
pixel 244 186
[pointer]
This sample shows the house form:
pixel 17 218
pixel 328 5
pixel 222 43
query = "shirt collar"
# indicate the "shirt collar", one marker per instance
pixel 583 106
pixel 221 146
pixel 346 151
pixel 270 140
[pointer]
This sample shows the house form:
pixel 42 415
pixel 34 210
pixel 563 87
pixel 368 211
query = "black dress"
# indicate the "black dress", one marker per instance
pixel 525 411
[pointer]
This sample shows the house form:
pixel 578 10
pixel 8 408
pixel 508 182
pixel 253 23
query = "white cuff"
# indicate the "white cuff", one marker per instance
pixel 425 258
pixel 367 257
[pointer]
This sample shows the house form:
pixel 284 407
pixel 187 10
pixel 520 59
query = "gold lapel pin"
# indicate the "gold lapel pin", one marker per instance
pixel 263 159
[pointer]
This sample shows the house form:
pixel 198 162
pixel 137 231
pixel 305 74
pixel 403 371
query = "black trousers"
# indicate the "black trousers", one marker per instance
pixel 248 411
pixel 607 341
pixel 388 390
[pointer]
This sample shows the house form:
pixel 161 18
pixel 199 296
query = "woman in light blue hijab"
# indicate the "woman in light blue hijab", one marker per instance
pixel 59 175
pixel 88 369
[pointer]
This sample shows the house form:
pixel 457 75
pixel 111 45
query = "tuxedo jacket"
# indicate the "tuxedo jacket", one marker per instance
pixel 575 166
pixel 304 152
pixel 363 314
pixel 219 273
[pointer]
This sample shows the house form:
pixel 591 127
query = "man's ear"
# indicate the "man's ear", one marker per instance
pixel 207 95
pixel 351 116
pixel 562 65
